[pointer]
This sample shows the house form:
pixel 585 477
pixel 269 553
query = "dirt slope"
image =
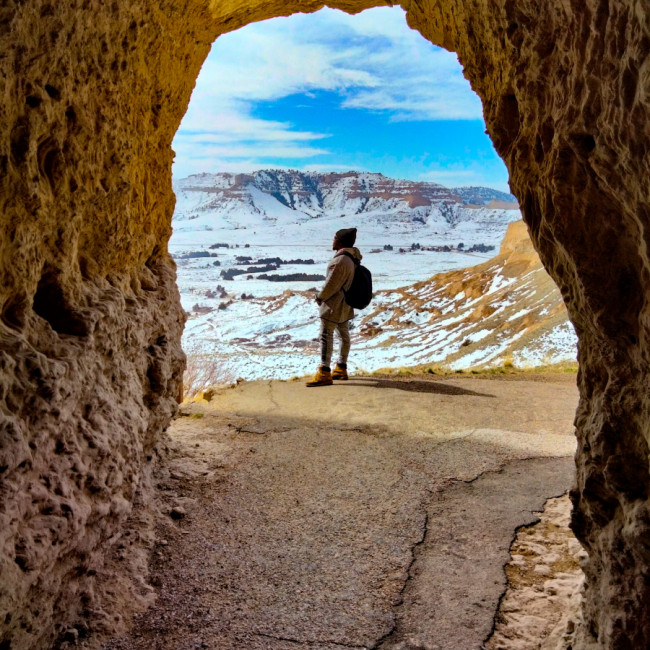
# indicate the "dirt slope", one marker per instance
pixel 372 514
pixel 507 308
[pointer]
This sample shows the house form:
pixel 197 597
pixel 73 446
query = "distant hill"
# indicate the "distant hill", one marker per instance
pixel 282 198
pixel 507 308
pixel 485 196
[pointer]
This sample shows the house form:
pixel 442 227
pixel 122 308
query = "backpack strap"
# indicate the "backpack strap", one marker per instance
pixel 352 257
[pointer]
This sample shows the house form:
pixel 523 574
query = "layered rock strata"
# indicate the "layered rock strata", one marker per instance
pixel 90 320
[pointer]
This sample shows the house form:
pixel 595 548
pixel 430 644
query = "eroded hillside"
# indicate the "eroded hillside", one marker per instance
pixel 274 195
pixel 507 308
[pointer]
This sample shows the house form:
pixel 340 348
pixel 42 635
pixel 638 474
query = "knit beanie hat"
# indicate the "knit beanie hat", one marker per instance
pixel 347 237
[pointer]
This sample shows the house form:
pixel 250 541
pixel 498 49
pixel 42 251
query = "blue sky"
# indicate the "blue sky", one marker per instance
pixel 333 92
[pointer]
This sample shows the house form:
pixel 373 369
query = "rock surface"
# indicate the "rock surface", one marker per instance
pixel 90 321
pixel 541 607
pixel 507 309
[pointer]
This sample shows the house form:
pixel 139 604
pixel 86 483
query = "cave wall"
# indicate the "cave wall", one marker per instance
pixel 90 319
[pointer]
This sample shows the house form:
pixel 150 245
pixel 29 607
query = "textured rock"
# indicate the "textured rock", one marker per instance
pixel 90 320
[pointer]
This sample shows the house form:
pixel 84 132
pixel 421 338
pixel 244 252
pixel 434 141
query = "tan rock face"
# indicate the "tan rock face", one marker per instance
pixel 90 319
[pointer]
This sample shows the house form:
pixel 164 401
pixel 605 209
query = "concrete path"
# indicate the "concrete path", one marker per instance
pixel 371 514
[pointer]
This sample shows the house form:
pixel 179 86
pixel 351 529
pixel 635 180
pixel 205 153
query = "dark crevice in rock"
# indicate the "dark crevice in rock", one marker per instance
pixel 51 304
pixel 19 142
pixel 53 92
pixel 50 161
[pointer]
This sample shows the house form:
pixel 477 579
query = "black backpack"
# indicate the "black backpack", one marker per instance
pixel 359 294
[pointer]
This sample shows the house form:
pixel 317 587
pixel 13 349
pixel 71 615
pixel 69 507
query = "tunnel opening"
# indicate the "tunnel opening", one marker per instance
pixel 92 106
pixel 296 154
pixel 230 318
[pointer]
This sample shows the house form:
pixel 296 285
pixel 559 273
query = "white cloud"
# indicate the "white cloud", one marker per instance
pixel 373 60
pixel 243 150
pixel 241 129
pixel 315 167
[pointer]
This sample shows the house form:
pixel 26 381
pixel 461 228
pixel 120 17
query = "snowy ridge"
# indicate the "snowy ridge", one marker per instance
pixel 276 197
pixel 505 309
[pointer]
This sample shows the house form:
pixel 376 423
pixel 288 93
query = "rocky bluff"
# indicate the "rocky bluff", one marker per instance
pixel 90 321
pixel 357 192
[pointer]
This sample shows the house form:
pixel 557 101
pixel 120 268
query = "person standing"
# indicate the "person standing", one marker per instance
pixel 334 312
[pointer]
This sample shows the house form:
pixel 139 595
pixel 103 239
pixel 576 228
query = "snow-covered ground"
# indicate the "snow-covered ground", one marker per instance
pixel 258 328
pixel 390 269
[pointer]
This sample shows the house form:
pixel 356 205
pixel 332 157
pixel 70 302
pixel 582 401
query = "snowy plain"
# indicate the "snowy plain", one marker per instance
pixel 256 328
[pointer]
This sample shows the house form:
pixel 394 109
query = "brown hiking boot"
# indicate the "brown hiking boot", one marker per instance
pixel 340 373
pixel 321 378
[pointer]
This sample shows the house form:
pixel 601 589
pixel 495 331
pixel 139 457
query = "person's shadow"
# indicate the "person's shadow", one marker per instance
pixel 412 385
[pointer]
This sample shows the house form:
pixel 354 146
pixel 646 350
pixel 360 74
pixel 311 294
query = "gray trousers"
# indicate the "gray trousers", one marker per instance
pixel 327 341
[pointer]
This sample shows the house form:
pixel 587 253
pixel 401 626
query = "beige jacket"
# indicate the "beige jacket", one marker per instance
pixel 340 272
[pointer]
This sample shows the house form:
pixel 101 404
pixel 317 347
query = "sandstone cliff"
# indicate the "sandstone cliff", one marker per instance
pixel 505 310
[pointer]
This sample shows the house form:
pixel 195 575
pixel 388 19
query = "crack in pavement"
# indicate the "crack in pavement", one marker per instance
pixel 451 480
pixel 409 571
pixel 442 585
pixel 271 397
pixel 409 577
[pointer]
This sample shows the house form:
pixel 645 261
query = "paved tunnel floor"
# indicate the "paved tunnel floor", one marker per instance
pixel 376 513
